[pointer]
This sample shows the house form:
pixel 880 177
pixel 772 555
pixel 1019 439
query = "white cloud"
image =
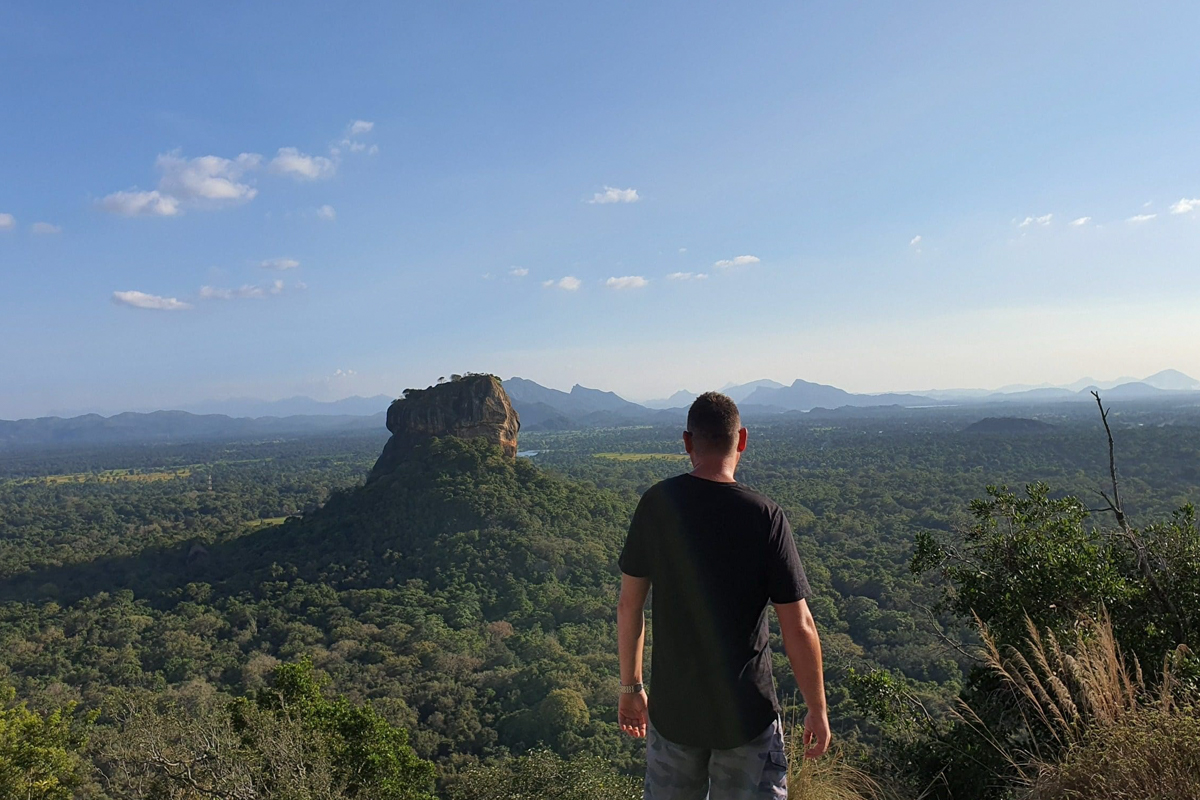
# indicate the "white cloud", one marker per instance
pixel 301 166
pixel 214 293
pixel 280 263
pixel 207 179
pixel 1081 221
pixel 613 195
pixel 344 373
pixel 140 204
pixel 151 301
pixel 569 284
pixel 1186 206
pixel 360 126
pixel 1142 218
pixel 626 282
pixel 914 241
pixel 7 222
pixel 1042 220
pixel 683 249
pixel 687 276
pixel 739 261
pixel 44 228
pixel 326 212
pixel 518 272
pixel 244 291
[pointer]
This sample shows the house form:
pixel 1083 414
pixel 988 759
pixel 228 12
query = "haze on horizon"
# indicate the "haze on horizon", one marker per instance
pixel 878 197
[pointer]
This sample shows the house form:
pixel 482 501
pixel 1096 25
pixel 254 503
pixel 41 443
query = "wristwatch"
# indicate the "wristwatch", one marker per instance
pixel 631 689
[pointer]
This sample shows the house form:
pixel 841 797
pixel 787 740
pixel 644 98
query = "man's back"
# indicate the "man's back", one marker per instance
pixel 716 553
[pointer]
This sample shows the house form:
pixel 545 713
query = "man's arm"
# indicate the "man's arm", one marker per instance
pixel 631 638
pixel 803 648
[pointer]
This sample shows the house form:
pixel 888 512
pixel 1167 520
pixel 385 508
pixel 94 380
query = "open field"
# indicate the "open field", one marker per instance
pixel 112 476
pixel 640 456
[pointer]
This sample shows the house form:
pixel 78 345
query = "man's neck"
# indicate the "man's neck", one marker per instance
pixel 718 473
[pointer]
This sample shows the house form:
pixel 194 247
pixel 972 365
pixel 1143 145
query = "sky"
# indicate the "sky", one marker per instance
pixel 269 200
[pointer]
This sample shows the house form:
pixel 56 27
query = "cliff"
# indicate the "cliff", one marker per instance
pixel 468 407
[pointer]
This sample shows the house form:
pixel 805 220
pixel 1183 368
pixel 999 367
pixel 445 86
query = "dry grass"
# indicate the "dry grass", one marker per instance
pixel 1094 728
pixel 1152 754
pixel 830 777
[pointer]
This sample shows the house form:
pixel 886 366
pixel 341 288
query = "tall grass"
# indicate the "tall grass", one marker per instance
pixel 830 777
pixel 1093 728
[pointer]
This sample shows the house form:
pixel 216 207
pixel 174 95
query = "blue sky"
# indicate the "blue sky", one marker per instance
pixel 378 195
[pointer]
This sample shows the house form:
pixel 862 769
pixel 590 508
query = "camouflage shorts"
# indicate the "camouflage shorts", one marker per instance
pixel 755 771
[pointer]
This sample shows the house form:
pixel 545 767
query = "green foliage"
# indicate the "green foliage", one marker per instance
pixel 367 756
pixel 40 754
pixel 1026 555
pixel 468 600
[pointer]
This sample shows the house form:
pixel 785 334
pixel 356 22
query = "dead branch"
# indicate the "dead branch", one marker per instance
pixel 1131 536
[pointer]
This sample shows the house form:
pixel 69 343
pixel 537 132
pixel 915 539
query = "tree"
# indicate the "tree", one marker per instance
pixel 40 755
pixel 368 757
pixel 290 742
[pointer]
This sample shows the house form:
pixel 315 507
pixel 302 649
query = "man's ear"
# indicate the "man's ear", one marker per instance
pixel 742 433
pixel 687 442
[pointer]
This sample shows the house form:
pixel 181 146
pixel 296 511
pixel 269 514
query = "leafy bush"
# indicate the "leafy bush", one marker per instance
pixel 39 754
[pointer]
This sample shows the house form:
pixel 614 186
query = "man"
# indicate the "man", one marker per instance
pixel 716 553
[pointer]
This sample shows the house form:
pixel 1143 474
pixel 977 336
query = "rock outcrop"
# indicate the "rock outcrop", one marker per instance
pixel 470 406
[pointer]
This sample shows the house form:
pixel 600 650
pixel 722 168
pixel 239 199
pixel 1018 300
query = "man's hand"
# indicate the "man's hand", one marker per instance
pixel 816 734
pixel 631 713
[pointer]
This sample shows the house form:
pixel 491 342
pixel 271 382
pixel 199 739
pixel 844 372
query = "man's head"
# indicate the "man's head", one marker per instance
pixel 714 428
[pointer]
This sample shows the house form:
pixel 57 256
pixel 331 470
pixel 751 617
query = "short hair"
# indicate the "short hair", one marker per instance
pixel 714 422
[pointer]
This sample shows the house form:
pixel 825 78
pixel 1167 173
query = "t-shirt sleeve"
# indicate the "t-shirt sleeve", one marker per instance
pixel 635 556
pixel 786 581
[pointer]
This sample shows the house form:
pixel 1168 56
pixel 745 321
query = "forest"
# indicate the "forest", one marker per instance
pixel 247 619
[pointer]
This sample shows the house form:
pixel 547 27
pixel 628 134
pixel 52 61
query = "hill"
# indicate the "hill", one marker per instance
pixel 805 396
pixel 168 426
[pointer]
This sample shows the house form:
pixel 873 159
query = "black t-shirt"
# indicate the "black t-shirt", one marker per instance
pixel 715 554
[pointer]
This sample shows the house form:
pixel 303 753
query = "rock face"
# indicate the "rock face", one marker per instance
pixel 467 407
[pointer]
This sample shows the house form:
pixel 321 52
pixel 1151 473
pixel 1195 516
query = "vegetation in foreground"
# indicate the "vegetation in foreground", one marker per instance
pixel 468 604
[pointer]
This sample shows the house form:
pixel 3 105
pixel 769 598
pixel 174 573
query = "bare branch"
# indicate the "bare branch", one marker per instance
pixel 1131 536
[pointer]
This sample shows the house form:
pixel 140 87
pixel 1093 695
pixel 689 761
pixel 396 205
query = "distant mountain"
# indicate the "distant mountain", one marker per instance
pixel 1128 391
pixel 805 396
pixel 576 403
pixel 738 392
pixel 170 426
pixel 1044 394
pixel 292 406
pixel 1091 383
pixel 681 399
pixel 1008 425
pixel 1156 385
pixel 1173 380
